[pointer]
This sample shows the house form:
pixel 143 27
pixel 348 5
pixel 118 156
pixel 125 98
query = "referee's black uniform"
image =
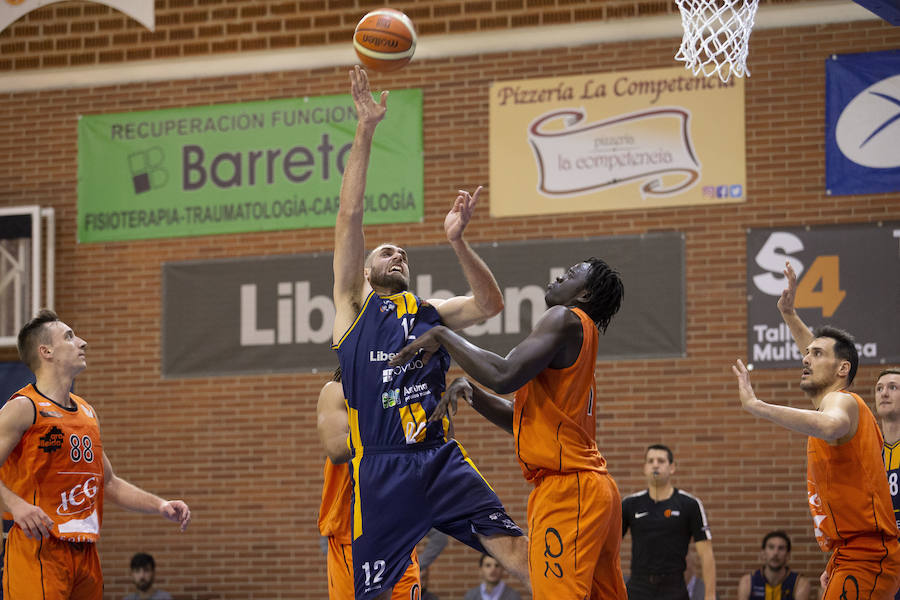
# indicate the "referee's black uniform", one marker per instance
pixel 660 535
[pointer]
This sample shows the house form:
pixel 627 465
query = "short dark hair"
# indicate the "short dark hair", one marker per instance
pixel 606 292
pixel 662 447
pixel 888 371
pixel 777 534
pixel 142 560
pixel 844 347
pixel 32 335
pixel 484 556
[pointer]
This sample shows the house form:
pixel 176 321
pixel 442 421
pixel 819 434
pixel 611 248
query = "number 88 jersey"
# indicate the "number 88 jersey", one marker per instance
pixel 58 466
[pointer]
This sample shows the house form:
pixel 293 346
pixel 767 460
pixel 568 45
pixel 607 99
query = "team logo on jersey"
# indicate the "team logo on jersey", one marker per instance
pixel 390 398
pixel 88 412
pixel 387 306
pixel 672 513
pixel 51 413
pixel 51 442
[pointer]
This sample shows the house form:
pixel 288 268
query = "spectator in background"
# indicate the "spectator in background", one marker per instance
pixel 492 586
pixel 663 521
pixel 143 574
pixel 775 578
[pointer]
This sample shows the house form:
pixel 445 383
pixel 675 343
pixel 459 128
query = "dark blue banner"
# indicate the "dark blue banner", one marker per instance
pixel 862 123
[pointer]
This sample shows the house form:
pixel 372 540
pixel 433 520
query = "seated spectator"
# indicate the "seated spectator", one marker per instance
pixel 492 586
pixel 143 572
pixel 775 578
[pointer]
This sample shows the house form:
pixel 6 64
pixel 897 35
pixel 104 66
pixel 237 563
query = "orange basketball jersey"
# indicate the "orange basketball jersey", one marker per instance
pixel 848 490
pixel 335 519
pixel 58 466
pixel 553 419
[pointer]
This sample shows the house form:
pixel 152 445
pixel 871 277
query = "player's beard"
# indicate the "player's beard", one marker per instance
pixel 393 282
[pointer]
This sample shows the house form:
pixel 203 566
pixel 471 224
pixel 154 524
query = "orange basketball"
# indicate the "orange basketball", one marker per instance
pixel 385 40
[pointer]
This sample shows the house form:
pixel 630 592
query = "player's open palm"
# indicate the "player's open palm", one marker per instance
pixel 745 389
pixel 450 399
pixel 368 111
pixel 459 216
pixel 788 296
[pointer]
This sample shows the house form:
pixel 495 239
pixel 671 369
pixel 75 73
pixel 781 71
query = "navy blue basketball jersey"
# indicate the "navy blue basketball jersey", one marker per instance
pixel 892 466
pixel 389 406
pixel 761 590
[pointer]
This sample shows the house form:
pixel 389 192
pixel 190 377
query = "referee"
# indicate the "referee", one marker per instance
pixel 663 520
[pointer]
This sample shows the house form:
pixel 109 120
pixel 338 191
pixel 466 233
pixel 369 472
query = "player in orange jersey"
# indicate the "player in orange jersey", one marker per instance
pixel 848 492
pixel 574 511
pixel 335 517
pixel 55 475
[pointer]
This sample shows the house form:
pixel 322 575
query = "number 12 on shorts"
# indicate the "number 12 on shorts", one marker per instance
pixel 376 570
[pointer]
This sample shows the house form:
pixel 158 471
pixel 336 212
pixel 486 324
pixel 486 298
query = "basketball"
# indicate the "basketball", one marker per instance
pixel 385 40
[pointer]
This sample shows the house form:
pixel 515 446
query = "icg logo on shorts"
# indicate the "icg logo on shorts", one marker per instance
pixel 146 170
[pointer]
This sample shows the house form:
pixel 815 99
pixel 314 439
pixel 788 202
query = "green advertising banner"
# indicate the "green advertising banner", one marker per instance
pixel 257 166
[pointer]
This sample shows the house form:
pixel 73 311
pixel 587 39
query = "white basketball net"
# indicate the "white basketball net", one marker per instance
pixel 716 36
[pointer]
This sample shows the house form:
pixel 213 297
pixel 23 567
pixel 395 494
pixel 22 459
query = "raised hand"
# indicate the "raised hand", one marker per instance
pixel 458 387
pixel 368 111
pixel 458 217
pixel 745 389
pixel 786 301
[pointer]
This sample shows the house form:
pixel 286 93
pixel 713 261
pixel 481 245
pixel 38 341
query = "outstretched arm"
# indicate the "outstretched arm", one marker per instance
pixel 803 337
pixel 836 418
pixel 349 241
pixel 556 331
pixel 495 409
pixel 131 497
pixel 332 422
pixel 486 299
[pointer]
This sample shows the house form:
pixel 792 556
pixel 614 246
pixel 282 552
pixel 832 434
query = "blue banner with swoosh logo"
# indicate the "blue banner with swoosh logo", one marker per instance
pixel 862 123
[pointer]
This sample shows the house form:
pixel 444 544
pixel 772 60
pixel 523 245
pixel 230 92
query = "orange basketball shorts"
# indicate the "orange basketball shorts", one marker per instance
pixel 340 575
pixel 865 568
pixel 50 569
pixel 575 529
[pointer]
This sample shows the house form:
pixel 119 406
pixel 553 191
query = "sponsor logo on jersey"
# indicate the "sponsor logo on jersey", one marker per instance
pixel 51 442
pixel 88 412
pixel 416 390
pixel 51 413
pixel 640 514
pixel 78 499
pixel 390 398
pixel 380 356
pixel 389 374
pixel 40 403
